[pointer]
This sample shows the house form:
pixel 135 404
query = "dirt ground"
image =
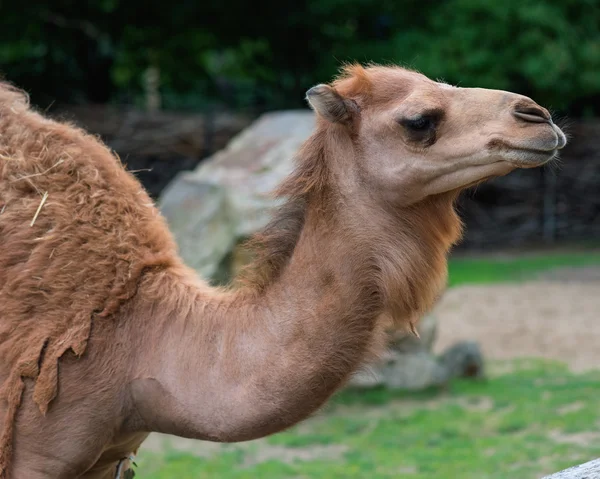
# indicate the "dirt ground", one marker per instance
pixel 557 316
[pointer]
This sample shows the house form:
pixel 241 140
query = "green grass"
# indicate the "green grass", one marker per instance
pixel 505 427
pixel 493 270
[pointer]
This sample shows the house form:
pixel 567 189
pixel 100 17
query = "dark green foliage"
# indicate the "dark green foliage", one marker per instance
pixel 266 54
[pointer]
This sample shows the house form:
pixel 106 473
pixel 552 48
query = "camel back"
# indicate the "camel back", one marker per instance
pixel 76 233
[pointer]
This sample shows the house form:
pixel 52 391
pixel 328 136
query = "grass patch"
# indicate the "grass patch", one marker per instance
pixel 506 426
pixel 493 270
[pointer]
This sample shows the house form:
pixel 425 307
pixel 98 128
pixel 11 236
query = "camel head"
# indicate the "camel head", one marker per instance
pixel 413 137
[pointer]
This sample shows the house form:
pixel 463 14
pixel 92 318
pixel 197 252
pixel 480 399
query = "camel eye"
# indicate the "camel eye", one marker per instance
pixel 420 129
pixel 420 123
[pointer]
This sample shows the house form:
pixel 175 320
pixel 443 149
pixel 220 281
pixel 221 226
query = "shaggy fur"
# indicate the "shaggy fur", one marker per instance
pixel 74 261
pixel 89 272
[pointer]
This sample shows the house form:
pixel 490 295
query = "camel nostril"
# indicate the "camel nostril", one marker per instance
pixel 532 114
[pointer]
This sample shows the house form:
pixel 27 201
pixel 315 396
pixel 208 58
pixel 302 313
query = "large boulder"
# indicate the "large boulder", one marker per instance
pixel 212 209
pixel 227 198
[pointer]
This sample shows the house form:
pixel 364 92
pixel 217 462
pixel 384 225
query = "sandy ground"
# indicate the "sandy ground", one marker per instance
pixel 555 317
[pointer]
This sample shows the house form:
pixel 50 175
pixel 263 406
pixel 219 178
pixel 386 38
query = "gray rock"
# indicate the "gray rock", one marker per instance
pixel 410 364
pixel 227 198
pixel 463 359
pixel 201 220
pixel 588 470
pixel 418 369
pixel 412 371
pixel 404 342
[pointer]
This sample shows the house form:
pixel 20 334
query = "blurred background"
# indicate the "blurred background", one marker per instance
pixel 169 86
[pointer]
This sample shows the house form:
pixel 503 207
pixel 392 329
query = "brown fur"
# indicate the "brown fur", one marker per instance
pixel 87 265
pixel 95 235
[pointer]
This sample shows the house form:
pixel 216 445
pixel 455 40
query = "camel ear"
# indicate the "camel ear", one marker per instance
pixel 328 103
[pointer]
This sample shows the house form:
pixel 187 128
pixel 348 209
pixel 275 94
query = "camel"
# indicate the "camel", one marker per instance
pixel 106 336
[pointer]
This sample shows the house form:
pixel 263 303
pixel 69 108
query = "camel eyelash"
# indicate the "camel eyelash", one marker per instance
pixel 420 129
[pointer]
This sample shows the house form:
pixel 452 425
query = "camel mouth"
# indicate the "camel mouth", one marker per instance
pixel 533 152
pixel 529 158
pixel 524 156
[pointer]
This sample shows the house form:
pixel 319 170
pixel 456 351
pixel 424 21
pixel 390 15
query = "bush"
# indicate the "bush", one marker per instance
pixel 267 54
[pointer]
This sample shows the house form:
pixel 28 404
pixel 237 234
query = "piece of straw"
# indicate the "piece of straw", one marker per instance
pixel 44 198
pixel 41 173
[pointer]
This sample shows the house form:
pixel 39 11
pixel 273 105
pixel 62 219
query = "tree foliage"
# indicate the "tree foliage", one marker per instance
pixel 266 54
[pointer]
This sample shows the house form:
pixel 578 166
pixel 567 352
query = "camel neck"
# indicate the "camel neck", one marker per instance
pixel 230 366
pixel 237 365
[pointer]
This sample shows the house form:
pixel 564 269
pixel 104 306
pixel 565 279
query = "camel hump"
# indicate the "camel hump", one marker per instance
pixel 77 233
